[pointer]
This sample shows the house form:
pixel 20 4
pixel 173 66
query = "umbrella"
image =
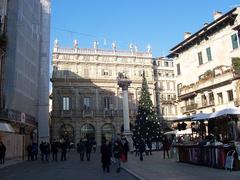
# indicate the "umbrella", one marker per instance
pixel 201 116
pixel 226 111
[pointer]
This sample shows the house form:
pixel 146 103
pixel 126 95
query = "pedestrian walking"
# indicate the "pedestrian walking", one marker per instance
pixel 142 148
pixel 117 151
pixel 63 147
pixel 165 143
pixel 88 146
pixel 125 148
pixel 54 150
pixel 149 145
pixel 81 149
pixel 2 152
pixel 105 156
pixel 136 146
pixel 34 151
pixel 94 146
pixel 42 150
pixel 29 151
pixel 157 145
pixel 46 151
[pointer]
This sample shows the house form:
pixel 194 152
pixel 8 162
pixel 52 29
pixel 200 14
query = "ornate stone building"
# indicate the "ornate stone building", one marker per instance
pixel 165 88
pixel 207 65
pixel 86 99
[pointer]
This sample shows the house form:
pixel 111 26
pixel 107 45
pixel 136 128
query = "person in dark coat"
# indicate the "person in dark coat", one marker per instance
pixel 41 150
pixel 63 147
pixel 165 143
pixel 149 144
pixel 54 149
pixel 2 152
pixel 141 148
pixel 88 146
pixel 125 148
pixel 46 151
pixel 106 155
pixel 29 151
pixel 34 150
pixel 81 149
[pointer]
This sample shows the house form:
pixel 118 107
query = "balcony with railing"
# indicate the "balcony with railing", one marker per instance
pixel 209 78
pixel 92 113
pixel 206 104
pixel 87 113
pixel 188 108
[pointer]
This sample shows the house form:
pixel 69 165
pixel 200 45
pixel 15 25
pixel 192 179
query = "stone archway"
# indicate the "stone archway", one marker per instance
pixel 67 132
pixel 108 131
pixel 87 131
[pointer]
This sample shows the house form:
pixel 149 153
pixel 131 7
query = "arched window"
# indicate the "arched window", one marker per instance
pixel 87 131
pixel 67 132
pixel 108 131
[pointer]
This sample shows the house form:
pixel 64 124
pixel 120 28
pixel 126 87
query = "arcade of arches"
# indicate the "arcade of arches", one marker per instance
pixel 87 130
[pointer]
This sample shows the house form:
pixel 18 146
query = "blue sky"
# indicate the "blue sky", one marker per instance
pixel 160 23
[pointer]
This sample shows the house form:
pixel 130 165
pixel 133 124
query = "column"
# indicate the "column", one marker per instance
pixel 126 111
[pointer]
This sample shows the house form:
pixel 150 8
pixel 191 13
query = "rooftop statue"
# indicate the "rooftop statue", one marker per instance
pixel 95 44
pixel 131 47
pixel 56 43
pixel 114 46
pixel 149 49
pixel 136 48
pixel 75 43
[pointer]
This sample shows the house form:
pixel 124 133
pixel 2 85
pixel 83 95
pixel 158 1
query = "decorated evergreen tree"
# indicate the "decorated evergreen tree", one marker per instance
pixel 146 124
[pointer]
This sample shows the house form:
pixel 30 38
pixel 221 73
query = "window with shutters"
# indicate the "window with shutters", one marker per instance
pixel 178 69
pixel 87 103
pixel 106 102
pixel 220 98
pixel 209 55
pixel 230 95
pixel 234 39
pixel 66 103
pixel 200 59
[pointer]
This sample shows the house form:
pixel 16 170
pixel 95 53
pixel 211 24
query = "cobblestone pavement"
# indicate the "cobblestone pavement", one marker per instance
pixel 71 169
pixel 154 167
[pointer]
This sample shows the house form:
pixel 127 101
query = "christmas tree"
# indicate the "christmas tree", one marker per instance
pixel 146 124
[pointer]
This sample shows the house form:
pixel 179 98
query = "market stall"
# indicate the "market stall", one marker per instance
pixel 217 145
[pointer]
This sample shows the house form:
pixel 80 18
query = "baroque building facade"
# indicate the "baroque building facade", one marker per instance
pixel 165 89
pixel 86 99
pixel 207 65
pixel 24 74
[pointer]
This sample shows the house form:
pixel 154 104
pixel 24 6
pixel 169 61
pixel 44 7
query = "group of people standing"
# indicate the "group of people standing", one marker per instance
pixel 116 151
pixel 54 148
pixel 86 146
pixel 141 144
pixel 32 150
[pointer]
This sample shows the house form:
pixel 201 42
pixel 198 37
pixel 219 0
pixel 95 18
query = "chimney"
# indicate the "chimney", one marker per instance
pixel 205 24
pixel 186 35
pixel 216 15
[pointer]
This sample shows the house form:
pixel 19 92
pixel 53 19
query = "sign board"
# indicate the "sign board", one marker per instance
pixel 23 117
